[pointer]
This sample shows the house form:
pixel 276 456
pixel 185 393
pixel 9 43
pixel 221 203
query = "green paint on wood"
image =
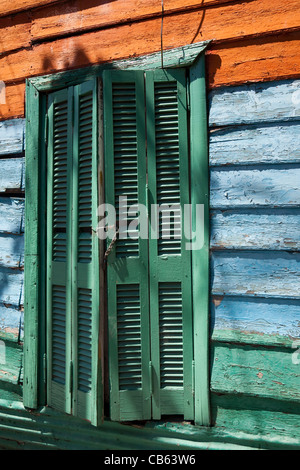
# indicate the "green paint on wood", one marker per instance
pixel 200 257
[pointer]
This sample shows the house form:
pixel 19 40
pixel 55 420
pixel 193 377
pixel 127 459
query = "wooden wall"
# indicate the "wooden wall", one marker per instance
pixel 253 71
pixel 253 40
pixel 255 250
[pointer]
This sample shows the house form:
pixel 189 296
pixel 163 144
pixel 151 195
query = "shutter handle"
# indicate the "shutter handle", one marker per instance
pixel 109 249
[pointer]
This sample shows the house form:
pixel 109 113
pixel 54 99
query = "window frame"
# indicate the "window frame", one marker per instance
pixel 190 57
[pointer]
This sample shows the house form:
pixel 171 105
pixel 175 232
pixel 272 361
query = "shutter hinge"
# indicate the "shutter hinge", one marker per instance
pixel 188 101
pixel 71 377
pixel 45 367
pixel 193 377
pixel 46 129
pixel 150 377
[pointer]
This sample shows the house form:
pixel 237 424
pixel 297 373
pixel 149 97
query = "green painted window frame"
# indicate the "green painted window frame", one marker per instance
pixel 191 57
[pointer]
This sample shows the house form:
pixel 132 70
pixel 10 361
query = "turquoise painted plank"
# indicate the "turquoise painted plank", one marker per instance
pixel 11 215
pixel 12 251
pixel 259 102
pixel 12 174
pixel 263 274
pixel 11 286
pixel 258 186
pixel 12 136
pixel 256 229
pixel 258 372
pixel 243 145
pixel 256 316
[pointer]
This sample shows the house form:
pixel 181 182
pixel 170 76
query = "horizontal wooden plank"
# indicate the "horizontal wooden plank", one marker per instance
pixel 80 15
pixel 12 137
pixel 258 417
pixel 242 145
pixel 254 186
pixel 14 104
pixel 11 290
pixel 255 103
pixel 256 60
pixel 257 229
pixel 12 6
pixel 15 32
pixel 218 22
pixel 262 372
pixel 276 317
pixel 12 174
pixel 262 274
pixel 12 215
pixel 12 251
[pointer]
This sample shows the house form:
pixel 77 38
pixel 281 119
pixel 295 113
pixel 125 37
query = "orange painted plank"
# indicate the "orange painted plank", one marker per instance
pixel 15 32
pixel 130 40
pixel 250 62
pixel 255 60
pixel 13 6
pixel 220 21
pixel 14 102
pixel 80 15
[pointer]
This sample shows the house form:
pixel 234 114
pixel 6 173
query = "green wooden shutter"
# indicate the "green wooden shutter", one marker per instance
pixel 74 362
pixel 169 261
pixel 59 184
pixel 87 394
pixel 127 265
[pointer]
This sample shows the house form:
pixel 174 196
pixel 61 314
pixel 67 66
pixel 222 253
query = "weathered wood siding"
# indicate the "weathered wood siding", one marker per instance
pixel 11 257
pixel 255 255
pixel 254 40
pixel 255 244
pixel 253 67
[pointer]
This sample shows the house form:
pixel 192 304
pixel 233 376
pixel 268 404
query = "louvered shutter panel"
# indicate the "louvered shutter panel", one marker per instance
pixel 127 265
pixel 87 394
pixel 170 262
pixel 59 183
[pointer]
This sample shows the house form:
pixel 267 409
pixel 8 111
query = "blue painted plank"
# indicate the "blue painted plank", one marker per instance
pixel 11 320
pixel 12 215
pixel 12 137
pixel 258 229
pixel 270 143
pixel 12 251
pixel 11 287
pixel 255 103
pixel 12 174
pixel 263 274
pixel 259 186
pixel 256 315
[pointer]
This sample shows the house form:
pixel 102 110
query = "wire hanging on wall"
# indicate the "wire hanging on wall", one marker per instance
pixel 161 34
